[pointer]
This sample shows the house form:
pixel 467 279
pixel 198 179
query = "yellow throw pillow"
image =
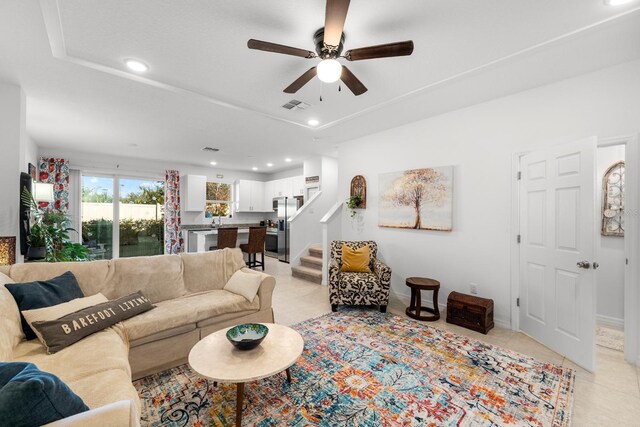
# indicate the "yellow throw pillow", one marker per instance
pixel 355 260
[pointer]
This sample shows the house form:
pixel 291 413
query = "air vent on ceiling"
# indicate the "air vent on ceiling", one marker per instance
pixel 294 104
pixel 215 150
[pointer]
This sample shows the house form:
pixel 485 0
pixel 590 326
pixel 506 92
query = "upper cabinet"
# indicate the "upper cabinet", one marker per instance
pixel 195 192
pixel 251 197
pixel 297 185
pixel 256 196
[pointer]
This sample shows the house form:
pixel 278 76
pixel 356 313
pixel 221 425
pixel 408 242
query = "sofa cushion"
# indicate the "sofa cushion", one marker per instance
pixel 31 397
pixel 62 332
pixel 90 275
pixel 245 283
pixel 207 271
pixel 44 293
pixel 97 368
pixel 104 350
pixel 186 310
pixel 11 331
pixel 158 277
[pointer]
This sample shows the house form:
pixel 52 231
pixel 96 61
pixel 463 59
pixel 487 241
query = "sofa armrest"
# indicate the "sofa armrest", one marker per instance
pixel 383 273
pixel 117 414
pixel 265 292
pixel 334 272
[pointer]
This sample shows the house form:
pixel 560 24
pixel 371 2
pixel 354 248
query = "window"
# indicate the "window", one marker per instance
pixel 218 199
pixel 124 223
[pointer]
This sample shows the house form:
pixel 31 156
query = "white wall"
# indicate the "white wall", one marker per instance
pixel 284 174
pixel 13 146
pixel 611 257
pixel 305 227
pixel 479 142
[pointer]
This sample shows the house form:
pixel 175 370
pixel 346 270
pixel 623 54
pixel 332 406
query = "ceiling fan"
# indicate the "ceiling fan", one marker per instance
pixel 329 43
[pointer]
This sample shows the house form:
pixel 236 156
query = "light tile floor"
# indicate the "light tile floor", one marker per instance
pixel 610 397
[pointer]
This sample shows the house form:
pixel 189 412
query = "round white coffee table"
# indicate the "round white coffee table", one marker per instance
pixel 215 358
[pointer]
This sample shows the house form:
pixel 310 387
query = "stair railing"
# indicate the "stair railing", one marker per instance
pixel 331 230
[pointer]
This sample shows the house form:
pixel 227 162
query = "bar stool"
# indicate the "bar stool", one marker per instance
pixel 418 284
pixel 227 238
pixel 257 237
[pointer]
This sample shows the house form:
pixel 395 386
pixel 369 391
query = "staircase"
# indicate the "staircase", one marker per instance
pixel 311 265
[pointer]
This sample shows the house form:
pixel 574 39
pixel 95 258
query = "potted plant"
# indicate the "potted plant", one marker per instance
pixel 354 202
pixel 49 235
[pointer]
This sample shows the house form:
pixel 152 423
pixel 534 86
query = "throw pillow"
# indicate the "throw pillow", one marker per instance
pixel 30 397
pixel 57 311
pixel 61 333
pixel 245 284
pixel 355 260
pixel 44 293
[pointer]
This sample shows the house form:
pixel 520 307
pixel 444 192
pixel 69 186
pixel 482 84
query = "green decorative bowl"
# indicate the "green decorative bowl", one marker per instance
pixel 247 336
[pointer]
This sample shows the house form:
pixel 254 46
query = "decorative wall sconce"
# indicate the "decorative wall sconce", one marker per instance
pixel 7 250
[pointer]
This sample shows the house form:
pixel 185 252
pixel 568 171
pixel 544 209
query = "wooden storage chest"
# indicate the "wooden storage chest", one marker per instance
pixel 470 312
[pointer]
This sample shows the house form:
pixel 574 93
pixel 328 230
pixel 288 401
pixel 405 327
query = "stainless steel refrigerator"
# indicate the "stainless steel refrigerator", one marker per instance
pixel 286 207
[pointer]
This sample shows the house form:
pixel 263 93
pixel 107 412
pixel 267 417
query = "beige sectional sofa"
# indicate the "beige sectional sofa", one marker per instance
pixel 190 301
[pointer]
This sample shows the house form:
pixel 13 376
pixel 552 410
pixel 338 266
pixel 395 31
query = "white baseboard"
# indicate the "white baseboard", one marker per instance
pixel 611 322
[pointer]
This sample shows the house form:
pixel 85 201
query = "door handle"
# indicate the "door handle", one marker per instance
pixel 584 264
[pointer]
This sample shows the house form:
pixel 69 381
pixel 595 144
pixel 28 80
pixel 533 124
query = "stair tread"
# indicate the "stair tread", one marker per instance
pixel 312 260
pixel 315 250
pixel 307 271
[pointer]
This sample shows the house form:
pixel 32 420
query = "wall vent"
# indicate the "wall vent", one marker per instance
pixel 294 104
pixel 215 150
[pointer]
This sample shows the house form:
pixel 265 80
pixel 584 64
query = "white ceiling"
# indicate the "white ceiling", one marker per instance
pixel 206 88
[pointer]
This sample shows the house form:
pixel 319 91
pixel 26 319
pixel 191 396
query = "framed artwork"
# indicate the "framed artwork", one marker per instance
pixel 33 173
pixel 613 200
pixel 420 199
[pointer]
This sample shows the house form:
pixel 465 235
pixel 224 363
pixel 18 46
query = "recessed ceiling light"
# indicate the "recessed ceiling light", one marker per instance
pixel 254 168
pixel 214 163
pixel 288 160
pixel 137 66
pixel 313 122
pixel 616 2
pixel 269 165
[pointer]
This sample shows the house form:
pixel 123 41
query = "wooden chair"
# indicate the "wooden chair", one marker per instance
pixel 257 237
pixel 227 238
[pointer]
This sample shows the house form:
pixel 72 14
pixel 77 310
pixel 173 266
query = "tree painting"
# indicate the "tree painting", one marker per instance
pixel 417 198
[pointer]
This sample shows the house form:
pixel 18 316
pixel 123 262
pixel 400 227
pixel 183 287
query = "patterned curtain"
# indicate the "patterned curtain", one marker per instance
pixel 172 238
pixel 56 172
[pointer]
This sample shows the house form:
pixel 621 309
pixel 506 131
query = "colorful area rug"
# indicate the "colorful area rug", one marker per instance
pixel 364 368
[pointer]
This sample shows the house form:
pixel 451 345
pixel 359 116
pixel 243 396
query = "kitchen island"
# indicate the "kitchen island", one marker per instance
pixel 199 238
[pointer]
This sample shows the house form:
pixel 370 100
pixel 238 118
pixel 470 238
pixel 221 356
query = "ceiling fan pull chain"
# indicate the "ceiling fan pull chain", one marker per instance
pixel 339 88
pixel 321 86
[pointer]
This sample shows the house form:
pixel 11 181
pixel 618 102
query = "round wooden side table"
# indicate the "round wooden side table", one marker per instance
pixel 418 284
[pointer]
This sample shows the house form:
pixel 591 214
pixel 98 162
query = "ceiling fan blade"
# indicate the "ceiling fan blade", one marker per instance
pixel 352 82
pixel 380 51
pixel 278 48
pixel 301 81
pixel 335 15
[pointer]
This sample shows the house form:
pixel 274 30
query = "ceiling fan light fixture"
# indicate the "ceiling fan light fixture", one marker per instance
pixel 329 70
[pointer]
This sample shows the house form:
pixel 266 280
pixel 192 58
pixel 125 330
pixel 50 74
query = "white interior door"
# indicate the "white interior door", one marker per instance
pixel 557 227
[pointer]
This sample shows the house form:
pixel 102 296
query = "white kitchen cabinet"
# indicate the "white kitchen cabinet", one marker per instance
pixel 297 184
pixel 195 187
pixel 251 197
pixel 269 194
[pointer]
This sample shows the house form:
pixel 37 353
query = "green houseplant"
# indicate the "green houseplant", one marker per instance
pixel 354 202
pixel 49 235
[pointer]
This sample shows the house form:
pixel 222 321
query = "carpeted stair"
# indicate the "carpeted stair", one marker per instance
pixel 310 268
